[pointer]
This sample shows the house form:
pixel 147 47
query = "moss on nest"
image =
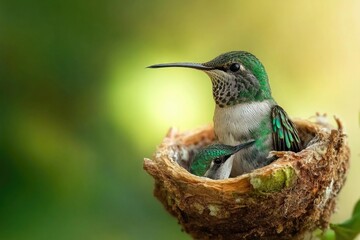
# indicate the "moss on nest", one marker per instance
pixel 274 182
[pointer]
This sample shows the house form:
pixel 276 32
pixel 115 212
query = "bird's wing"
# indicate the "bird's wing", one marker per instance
pixel 285 135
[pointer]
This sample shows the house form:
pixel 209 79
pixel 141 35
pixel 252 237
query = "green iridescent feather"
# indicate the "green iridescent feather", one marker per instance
pixel 285 135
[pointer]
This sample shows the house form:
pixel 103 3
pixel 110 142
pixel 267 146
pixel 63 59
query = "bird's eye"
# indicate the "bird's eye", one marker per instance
pixel 234 67
pixel 217 161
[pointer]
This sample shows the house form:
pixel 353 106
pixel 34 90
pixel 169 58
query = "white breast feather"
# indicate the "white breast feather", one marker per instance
pixel 233 123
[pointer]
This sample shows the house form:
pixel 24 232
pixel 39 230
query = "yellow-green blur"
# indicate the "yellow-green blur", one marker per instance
pixel 79 110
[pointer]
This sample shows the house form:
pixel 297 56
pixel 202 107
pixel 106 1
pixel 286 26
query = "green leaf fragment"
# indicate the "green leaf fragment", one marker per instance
pixel 329 234
pixel 356 209
pixel 349 229
pixel 343 233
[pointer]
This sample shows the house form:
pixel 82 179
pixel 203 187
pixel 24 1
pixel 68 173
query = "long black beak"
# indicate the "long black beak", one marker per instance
pixel 244 145
pixel 198 66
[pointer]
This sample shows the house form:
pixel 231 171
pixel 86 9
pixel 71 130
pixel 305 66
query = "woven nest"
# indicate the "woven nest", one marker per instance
pixel 284 200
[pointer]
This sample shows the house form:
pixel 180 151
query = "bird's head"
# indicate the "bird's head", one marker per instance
pixel 212 161
pixel 236 77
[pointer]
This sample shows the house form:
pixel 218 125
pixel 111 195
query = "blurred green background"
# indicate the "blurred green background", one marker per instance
pixel 79 110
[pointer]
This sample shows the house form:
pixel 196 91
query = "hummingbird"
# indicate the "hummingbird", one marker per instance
pixel 215 161
pixel 245 109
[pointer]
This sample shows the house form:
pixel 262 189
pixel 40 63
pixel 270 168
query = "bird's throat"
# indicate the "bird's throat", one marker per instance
pixel 229 90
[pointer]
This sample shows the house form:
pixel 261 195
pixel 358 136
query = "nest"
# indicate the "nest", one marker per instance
pixel 285 200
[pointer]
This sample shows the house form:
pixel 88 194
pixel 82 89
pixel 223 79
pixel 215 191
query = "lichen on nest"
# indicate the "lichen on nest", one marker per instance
pixel 293 195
